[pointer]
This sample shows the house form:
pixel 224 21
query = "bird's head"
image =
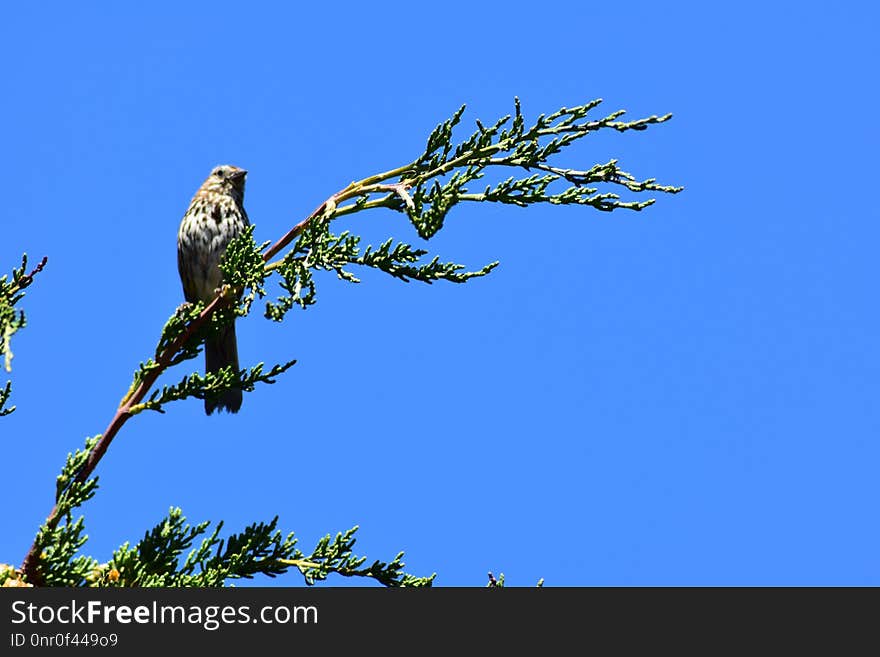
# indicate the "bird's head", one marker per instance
pixel 226 179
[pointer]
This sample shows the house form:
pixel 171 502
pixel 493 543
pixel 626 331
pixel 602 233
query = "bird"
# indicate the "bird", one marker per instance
pixel 216 214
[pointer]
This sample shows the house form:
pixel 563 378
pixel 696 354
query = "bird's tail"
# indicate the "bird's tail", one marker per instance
pixel 222 350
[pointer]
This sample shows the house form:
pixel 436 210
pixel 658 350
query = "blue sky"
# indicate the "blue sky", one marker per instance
pixel 686 395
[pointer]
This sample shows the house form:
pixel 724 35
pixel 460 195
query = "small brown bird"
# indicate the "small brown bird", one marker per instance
pixel 215 215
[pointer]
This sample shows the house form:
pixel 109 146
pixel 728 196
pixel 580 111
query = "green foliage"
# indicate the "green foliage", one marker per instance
pixel 11 319
pixel 506 144
pixel 176 326
pixel 425 191
pixel 319 249
pixel 58 545
pixel 498 582
pixel 428 188
pixel 4 396
pixel 244 269
pixel 244 272
pixel 157 559
pixel 261 549
pixel 210 385
pixel 336 556
pixel 495 582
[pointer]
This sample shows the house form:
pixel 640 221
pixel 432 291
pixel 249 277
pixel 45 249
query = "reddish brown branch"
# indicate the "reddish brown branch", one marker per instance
pixel 30 565
pixel 294 232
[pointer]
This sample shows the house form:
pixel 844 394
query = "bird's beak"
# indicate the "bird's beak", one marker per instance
pixel 238 175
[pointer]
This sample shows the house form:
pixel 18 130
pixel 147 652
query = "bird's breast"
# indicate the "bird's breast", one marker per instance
pixel 205 231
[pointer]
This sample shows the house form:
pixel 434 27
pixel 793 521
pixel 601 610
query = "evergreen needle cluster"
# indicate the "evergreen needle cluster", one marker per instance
pixel 12 319
pixel 425 190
